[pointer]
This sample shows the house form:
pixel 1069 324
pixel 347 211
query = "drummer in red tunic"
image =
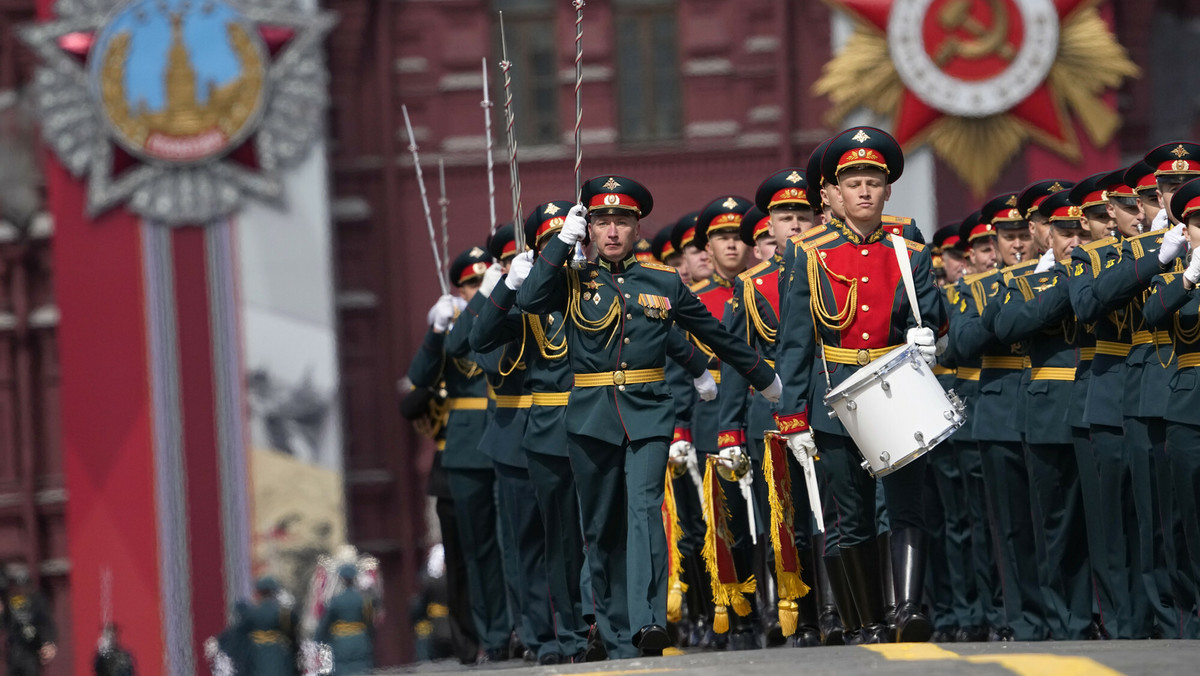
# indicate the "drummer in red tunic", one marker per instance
pixel 846 307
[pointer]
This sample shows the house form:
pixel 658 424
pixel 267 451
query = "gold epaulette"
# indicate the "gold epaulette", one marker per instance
pixel 1011 271
pixel 915 246
pixel 659 266
pixel 812 232
pixel 1093 251
pixel 897 220
pixel 810 244
pixel 976 276
pixel 754 270
pixel 1092 246
pixel 696 286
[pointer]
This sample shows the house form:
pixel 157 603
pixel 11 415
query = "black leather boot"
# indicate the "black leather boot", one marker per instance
pixel 843 598
pixel 887 578
pixel 808 632
pixel 908 552
pixel 829 621
pixel 861 563
pixel 746 630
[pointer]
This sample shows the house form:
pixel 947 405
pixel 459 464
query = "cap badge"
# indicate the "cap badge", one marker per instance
pixel 862 152
pixel 1179 165
pixel 793 178
pixel 475 252
pixel 479 267
pixel 1180 151
pixel 611 184
pixel 1074 211
pixel 1055 187
pixel 861 136
pixel 729 203
pixel 611 199
pixel 1014 215
pixel 551 209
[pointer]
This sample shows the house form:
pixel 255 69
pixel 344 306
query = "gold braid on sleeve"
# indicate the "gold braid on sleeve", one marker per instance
pixel 575 312
pixel 549 349
pixel 750 300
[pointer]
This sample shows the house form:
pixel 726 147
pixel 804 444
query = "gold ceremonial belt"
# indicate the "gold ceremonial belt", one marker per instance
pixel 263 637
pixel 1151 338
pixel 968 373
pixel 343 628
pixel 468 403
pixel 551 398
pixel 1011 363
pixel 939 370
pixel 634 377
pixel 1087 353
pixel 842 355
pixel 1188 360
pixel 514 400
pixel 716 374
pixel 1052 373
pixel 1112 349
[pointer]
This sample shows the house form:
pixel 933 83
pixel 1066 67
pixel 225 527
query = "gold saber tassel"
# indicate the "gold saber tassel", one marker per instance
pixel 676 587
pixel 727 590
pixel 787 559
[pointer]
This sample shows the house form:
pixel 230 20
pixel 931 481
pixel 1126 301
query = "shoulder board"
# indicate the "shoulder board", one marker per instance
pixel 810 244
pixel 697 286
pixel 811 232
pixel 659 266
pixel 1143 235
pixel 1100 243
pixel 897 220
pixel 1019 270
pixel 754 270
pixel 976 276
pixel 915 246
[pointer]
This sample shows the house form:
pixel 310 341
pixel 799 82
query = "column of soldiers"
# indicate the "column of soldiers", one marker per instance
pixel 608 487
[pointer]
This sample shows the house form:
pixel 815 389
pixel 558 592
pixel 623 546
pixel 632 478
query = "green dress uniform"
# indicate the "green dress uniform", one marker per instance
pixel 348 628
pixel 994 427
pixel 271 632
pixel 469 471
pixel 619 417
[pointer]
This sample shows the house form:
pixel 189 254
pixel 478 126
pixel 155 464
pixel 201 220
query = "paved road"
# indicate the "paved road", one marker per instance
pixel 1108 658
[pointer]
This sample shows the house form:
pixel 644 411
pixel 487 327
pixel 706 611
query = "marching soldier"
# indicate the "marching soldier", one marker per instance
pixel 469 470
pixel 851 311
pixel 619 415
pixel 29 628
pixel 271 631
pixel 1140 176
pixel 348 626
pixel 696 265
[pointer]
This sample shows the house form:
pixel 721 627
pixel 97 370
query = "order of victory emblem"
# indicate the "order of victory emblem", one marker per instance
pixel 180 108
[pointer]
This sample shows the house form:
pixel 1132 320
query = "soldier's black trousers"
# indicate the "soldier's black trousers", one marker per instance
pixel 474 493
pixel 953 589
pixel 1183 454
pixel 525 537
pixel 458 596
pixel 1063 569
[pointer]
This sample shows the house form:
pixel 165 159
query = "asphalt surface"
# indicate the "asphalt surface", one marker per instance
pixel 1085 658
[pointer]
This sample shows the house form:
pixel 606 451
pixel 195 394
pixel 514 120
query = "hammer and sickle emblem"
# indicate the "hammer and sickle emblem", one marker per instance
pixel 985 41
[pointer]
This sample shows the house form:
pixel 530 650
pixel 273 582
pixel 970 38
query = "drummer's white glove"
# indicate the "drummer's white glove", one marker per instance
pixel 925 342
pixel 802 442
pixel 678 453
pixel 493 275
pixel 774 390
pixel 706 386
pixel 575 226
pixel 518 270
pixel 442 313
pixel 1192 274
pixel 1173 244
pixel 1045 262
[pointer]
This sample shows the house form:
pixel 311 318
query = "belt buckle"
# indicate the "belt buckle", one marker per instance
pixel 863 357
pixel 618 377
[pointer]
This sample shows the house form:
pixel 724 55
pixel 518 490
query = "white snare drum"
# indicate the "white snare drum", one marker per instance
pixel 895 410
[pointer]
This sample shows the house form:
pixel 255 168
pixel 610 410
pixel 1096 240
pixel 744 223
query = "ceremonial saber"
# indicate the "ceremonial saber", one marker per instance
pixel 486 104
pixel 514 173
pixel 412 147
pixel 444 203
pixel 580 259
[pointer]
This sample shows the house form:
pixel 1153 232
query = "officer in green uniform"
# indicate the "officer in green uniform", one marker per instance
pixel 270 631
pixel 1037 309
pixel 853 309
pixel 619 313
pixel 1174 306
pixel 994 421
pixel 348 627
pixel 468 470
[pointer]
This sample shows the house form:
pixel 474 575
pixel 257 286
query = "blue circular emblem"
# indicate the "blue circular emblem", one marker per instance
pixel 179 81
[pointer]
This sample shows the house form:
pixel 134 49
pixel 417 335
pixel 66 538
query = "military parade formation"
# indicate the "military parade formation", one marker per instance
pixel 789 420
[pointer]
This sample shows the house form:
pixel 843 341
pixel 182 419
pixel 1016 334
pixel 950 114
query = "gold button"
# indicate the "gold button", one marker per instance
pixel 618 377
pixel 865 280
pixel 864 251
pixel 620 280
pixel 624 365
pixel 626 295
pixel 628 316
pixel 866 308
pixel 758 281
pixel 626 341
pixel 621 387
pixel 866 336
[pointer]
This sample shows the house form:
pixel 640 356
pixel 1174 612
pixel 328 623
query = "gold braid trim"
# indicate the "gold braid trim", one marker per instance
pixel 767 333
pixel 546 347
pixel 1187 336
pixel 843 318
pixel 1024 288
pixel 575 312
pixel 517 364
pixel 467 367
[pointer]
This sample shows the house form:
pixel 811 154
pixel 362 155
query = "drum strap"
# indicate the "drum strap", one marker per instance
pixel 901 249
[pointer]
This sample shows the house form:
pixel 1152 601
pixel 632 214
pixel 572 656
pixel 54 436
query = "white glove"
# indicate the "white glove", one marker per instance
pixel 575 226
pixel 1192 274
pixel 1045 262
pixel 925 341
pixel 802 442
pixel 518 270
pixel 442 313
pixel 735 459
pixel 1161 220
pixel 493 275
pixel 705 386
pixel 1173 244
pixel 774 390
pixel 678 453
